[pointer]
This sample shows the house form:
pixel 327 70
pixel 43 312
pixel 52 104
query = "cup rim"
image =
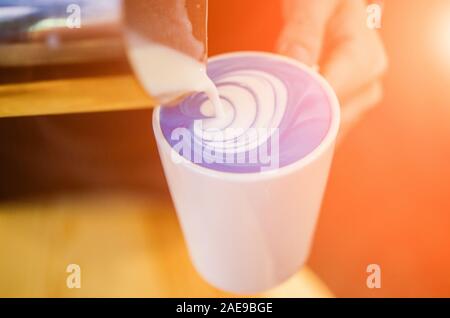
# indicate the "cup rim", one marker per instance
pixel 327 142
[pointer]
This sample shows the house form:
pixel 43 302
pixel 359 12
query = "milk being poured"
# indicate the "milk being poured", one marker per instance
pixel 168 74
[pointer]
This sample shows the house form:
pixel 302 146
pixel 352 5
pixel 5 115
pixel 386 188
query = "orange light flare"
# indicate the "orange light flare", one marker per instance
pixel 439 34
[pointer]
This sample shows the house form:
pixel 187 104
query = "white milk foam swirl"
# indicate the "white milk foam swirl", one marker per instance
pixel 262 101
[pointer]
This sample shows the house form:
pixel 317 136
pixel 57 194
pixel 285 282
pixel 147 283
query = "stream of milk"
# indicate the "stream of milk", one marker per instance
pixel 168 74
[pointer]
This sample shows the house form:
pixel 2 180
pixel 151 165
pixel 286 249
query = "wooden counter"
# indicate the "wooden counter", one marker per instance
pixel 126 246
pixel 72 95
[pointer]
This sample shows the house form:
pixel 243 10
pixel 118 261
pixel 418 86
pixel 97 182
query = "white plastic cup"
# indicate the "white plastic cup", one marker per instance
pixel 248 232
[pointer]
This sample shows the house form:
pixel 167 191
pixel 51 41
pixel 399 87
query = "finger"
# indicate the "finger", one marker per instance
pixel 354 65
pixel 358 57
pixel 353 109
pixel 304 30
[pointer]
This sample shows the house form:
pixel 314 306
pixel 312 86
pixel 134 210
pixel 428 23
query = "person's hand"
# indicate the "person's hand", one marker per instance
pixel 333 35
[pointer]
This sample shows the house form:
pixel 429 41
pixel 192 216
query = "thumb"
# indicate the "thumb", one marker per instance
pixel 304 29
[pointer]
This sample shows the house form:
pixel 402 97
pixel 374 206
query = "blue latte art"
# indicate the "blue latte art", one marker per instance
pixel 275 113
